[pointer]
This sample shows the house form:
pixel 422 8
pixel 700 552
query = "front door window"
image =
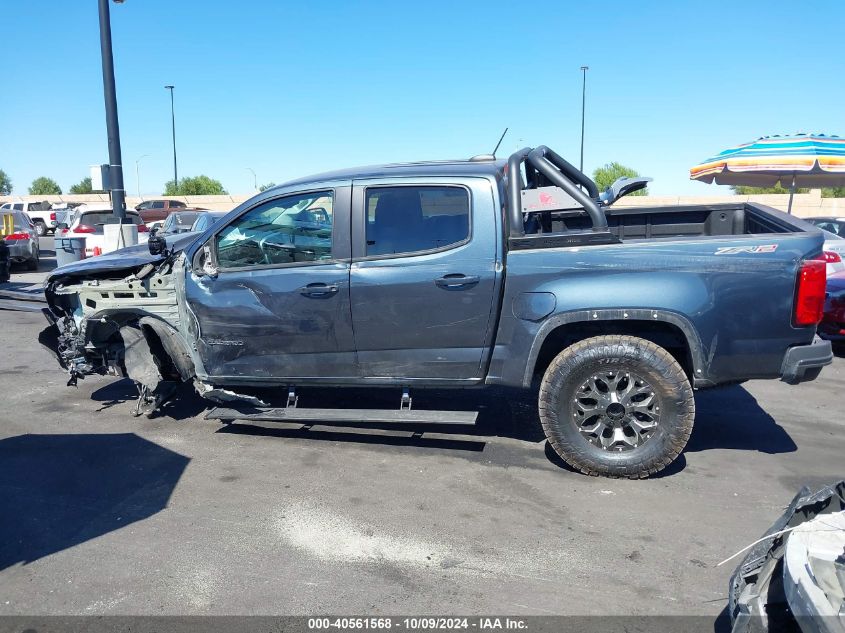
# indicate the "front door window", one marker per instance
pixel 289 230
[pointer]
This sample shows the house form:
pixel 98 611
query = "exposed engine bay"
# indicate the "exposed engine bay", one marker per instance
pixel 123 323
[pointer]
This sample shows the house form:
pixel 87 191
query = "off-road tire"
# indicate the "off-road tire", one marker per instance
pixel 577 363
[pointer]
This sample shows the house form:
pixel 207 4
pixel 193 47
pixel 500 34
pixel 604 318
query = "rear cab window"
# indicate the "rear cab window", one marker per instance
pixel 414 219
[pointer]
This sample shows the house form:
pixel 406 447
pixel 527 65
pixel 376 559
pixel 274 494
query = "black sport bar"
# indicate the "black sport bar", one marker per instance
pixel 553 167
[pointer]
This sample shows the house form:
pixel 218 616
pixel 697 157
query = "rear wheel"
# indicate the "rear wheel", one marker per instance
pixel 618 406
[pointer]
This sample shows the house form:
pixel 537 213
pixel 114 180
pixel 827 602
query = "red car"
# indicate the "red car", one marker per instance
pixel 832 326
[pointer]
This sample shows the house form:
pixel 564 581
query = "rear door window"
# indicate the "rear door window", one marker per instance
pixel 403 220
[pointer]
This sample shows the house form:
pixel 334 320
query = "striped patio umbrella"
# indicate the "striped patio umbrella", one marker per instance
pixel 801 160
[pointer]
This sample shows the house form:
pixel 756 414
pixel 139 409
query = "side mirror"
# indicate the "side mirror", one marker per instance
pixel 62 226
pixel 157 244
pixel 208 267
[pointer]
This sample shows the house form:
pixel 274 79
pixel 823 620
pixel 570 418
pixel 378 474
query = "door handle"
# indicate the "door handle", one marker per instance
pixel 318 290
pixel 457 281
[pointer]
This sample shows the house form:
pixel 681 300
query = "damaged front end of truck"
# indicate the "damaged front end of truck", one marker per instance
pixel 119 315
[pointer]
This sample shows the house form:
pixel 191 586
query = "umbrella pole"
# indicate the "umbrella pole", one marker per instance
pixel 791 193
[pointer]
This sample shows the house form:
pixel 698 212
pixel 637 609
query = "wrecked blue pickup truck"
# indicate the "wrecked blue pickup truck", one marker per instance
pixel 458 274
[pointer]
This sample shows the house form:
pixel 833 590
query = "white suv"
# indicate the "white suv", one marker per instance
pixel 88 222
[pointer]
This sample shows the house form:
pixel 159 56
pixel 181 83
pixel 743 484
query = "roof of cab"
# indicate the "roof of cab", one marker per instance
pixel 407 170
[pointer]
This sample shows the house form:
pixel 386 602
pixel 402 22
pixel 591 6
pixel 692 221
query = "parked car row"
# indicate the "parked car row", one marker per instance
pixel 45 217
pixel 89 221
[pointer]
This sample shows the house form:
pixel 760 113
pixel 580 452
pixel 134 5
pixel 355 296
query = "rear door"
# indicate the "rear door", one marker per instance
pixel 424 277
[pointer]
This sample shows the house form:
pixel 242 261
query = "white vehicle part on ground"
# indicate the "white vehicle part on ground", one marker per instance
pixel 814 573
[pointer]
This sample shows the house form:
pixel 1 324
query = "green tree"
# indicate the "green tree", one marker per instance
pixel 833 192
pixel 267 186
pixel 610 173
pixel 5 184
pixel 83 186
pixel 194 186
pixel 43 186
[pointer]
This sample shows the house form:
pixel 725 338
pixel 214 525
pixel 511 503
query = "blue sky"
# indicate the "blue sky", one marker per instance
pixel 292 88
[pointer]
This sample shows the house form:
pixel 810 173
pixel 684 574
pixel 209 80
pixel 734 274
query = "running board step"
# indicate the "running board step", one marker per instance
pixel 344 417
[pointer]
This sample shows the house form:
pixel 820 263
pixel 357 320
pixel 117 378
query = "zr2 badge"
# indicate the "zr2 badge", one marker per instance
pixel 752 250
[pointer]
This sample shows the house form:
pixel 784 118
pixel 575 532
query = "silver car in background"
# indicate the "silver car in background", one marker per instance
pixel 21 237
pixel 834 242
pixel 206 219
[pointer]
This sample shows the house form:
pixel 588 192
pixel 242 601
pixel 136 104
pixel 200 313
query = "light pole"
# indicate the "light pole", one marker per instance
pixel 173 128
pixel 118 195
pixel 584 70
pixel 254 178
pixel 138 174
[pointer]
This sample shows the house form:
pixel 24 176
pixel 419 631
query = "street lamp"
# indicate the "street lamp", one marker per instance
pixel 254 178
pixel 173 128
pixel 137 172
pixel 118 195
pixel 584 70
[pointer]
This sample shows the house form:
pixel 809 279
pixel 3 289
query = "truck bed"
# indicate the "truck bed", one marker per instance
pixel 681 221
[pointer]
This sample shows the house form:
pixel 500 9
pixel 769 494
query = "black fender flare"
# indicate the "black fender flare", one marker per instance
pixel 173 345
pixel 700 362
pixel 170 339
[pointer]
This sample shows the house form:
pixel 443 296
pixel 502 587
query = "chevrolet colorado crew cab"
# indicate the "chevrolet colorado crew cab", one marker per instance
pixel 461 274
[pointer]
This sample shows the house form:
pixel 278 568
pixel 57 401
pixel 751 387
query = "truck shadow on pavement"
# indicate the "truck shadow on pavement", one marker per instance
pixel 57 491
pixel 731 418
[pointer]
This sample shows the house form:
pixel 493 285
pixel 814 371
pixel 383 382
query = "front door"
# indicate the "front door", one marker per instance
pixel 278 305
pixel 423 278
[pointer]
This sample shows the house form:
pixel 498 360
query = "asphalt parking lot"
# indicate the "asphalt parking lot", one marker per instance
pixel 103 513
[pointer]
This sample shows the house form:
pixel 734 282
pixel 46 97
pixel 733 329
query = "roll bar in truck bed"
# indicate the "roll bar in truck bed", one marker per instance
pixel 560 186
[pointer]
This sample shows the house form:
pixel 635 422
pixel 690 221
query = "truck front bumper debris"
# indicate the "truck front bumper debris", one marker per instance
pixel 804 362
pixel 764 593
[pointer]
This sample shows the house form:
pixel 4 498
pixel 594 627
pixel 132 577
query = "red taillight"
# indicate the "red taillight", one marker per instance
pixel 53 217
pixel 84 228
pixel 831 258
pixel 809 293
pixel 142 228
pixel 18 236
